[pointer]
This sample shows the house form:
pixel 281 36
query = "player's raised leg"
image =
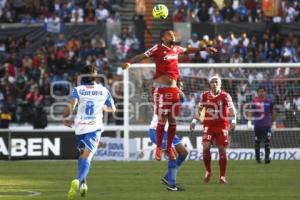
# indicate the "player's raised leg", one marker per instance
pixel 162 119
pixel 171 134
pixel 174 112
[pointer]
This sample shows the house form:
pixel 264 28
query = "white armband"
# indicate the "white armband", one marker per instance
pixel 233 121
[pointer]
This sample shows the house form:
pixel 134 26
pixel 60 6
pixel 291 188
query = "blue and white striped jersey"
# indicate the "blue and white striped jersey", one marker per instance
pixel 91 99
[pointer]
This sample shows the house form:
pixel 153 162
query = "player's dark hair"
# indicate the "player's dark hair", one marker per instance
pixel 162 33
pixel 88 72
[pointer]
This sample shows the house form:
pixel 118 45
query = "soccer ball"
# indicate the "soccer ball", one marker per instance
pixel 160 11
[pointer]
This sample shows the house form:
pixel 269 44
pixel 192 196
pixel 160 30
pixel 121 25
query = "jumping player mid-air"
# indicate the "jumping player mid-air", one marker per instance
pixel 165 92
pixel 169 178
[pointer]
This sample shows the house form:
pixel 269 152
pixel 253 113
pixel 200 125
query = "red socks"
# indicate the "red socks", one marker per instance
pixel 171 135
pixel 223 164
pixel 159 134
pixel 207 160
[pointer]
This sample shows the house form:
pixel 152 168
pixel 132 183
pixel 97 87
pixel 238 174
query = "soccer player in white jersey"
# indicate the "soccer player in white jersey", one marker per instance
pixel 92 100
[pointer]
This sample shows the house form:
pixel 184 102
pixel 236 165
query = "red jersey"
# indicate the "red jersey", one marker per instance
pixel 216 109
pixel 166 60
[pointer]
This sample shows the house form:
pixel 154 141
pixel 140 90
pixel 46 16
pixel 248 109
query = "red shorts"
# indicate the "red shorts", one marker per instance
pixel 215 133
pixel 166 101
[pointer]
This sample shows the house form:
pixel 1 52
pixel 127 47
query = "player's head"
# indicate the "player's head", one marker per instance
pixel 215 83
pixel 261 92
pixel 167 36
pixel 88 74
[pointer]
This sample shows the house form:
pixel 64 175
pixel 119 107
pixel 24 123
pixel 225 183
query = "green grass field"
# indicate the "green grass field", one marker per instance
pixel 141 181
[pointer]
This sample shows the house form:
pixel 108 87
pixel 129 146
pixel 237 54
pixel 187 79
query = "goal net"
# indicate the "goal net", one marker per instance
pixel 281 82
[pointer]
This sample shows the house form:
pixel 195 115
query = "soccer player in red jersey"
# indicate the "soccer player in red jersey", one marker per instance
pixel 218 107
pixel 165 92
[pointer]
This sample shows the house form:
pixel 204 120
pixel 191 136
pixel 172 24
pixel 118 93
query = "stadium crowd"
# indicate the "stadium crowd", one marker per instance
pixel 75 11
pixel 220 11
pixel 26 74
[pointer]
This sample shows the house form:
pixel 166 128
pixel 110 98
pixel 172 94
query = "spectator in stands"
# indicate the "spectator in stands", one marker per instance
pixel 27 19
pixel 216 17
pixel 203 12
pixel 227 11
pixel 236 58
pixel 180 3
pixel 61 41
pixel 64 12
pixel 180 15
pixel 245 40
pixel 85 51
pixel 194 42
pixel 54 18
pixel 140 28
pixel 90 18
pixel 73 45
pixel 113 18
pixel 121 44
pixel 77 14
pixel 8 14
pixel 242 12
pixel 106 4
pixel 98 41
pixel 102 13
pixel 232 42
pixel 206 42
pixel 290 13
pixel 272 53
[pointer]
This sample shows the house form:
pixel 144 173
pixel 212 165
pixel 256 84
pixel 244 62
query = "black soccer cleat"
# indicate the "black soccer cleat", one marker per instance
pixel 258 161
pixel 267 161
pixel 175 189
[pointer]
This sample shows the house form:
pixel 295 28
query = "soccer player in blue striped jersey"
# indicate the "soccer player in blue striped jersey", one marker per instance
pixel 169 178
pixel 92 99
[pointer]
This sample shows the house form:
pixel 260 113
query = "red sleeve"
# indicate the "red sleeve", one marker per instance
pixel 152 52
pixel 181 49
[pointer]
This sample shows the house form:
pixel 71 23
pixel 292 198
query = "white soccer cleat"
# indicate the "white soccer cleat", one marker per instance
pixel 223 180
pixel 207 176
pixel 83 189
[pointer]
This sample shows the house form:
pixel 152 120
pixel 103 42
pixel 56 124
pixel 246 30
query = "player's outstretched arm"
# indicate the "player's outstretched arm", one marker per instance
pixel 68 111
pixel 195 50
pixel 135 59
